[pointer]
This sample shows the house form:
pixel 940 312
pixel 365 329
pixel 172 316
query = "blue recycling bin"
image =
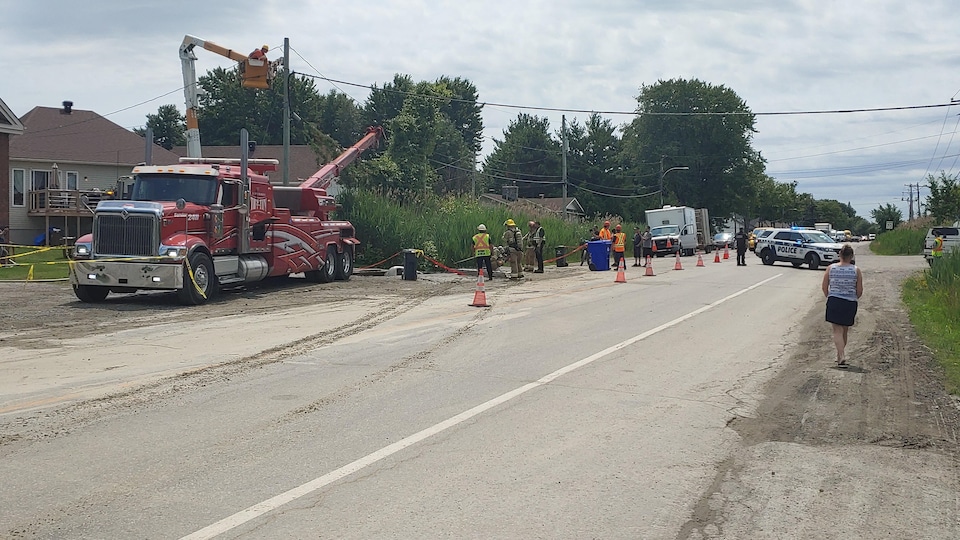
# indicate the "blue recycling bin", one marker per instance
pixel 599 251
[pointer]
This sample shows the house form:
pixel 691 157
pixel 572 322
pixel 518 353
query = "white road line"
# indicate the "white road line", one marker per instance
pixel 232 522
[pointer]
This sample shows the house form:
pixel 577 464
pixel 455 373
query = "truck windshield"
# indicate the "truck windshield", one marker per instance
pixel 170 187
pixel 666 230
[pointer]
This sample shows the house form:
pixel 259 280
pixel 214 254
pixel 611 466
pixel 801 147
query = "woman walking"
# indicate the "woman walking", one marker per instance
pixel 843 286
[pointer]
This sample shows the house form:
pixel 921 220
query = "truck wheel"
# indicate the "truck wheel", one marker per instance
pixel 329 271
pixel 813 260
pixel 767 257
pixel 203 285
pixel 91 293
pixel 345 268
pixel 796 264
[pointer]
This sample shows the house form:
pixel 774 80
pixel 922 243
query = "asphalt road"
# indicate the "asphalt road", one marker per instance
pixel 571 408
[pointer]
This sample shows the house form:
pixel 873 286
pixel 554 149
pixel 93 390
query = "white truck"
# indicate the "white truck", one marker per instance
pixel 826 228
pixel 679 229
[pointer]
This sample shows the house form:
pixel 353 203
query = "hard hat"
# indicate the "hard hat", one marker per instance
pixel 509 223
pixel 482 227
pixel 265 48
pixel 606 223
pixel 618 226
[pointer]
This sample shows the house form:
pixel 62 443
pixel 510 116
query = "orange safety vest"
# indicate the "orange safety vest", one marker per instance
pixel 605 234
pixel 481 245
pixel 619 241
pixel 937 250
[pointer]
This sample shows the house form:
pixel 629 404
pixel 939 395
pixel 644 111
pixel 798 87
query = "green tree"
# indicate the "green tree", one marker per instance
pixel 943 203
pixel 884 213
pixel 384 104
pixel 463 111
pixel 168 125
pixel 682 123
pixel 526 156
pixel 340 117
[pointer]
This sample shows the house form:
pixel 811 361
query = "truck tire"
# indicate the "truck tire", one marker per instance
pixel 203 285
pixel 329 271
pixel 91 294
pixel 345 268
pixel 767 256
pixel 813 260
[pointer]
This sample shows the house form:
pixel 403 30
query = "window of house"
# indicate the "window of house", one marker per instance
pixel 39 180
pixel 18 185
pixel 72 177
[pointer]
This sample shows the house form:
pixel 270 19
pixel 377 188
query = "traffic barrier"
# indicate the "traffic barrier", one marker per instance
pixel 676 265
pixel 621 273
pixel 480 297
pixel 726 251
pixel 700 259
pixel 649 271
pixel 716 257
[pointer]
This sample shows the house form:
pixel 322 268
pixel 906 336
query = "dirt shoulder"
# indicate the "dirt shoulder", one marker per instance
pixel 866 452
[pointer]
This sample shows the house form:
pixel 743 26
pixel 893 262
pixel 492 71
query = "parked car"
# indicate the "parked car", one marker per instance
pixel 723 239
pixel 871 237
pixel 759 233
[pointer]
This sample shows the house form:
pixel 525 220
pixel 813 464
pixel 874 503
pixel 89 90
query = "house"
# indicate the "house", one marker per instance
pixel 65 162
pixel 9 125
pixel 539 206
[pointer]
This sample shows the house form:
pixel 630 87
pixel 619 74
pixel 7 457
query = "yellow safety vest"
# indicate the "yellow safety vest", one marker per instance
pixel 619 241
pixel 481 245
pixel 937 250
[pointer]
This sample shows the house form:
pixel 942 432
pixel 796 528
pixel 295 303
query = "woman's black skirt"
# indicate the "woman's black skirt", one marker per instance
pixel 840 311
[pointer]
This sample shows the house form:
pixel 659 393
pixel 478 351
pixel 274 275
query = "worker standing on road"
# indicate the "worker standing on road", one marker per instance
pixel 482 250
pixel 637 246
pixel 843 286
pixel 605 232
pixel 529 256
pixel 647 245
pixel 513 241
pixel 741 240
pixel 619 246
pixel 539 237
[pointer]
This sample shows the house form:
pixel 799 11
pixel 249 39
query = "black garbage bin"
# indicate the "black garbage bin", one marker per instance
pixel 410 264
pixel 560 254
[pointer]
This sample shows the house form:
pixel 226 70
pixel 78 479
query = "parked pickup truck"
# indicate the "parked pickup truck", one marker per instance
pixel 950 236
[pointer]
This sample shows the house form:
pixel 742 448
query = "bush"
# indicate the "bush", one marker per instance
pixel 903 240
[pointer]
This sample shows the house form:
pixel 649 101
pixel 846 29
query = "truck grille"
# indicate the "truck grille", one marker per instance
pixel 126 234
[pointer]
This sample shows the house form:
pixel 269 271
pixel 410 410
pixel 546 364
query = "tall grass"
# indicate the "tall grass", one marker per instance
pixel 900 241
pixel 442 227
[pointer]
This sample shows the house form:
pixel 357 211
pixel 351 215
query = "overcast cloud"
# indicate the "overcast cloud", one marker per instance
pixel 119 58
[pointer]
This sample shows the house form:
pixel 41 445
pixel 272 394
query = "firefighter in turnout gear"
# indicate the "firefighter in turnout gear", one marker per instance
pixel 513 241
pixel 482 250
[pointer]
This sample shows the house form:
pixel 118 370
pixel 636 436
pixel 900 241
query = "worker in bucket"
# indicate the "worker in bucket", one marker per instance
pixel 261 53
pixel 482 250
pixel 513 241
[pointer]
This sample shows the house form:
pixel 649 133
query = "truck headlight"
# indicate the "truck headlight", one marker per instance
pixel 83 250
pixel 172 252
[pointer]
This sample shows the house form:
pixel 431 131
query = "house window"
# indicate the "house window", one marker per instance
pixel 72 177
pixel 19 187
pixel 39 179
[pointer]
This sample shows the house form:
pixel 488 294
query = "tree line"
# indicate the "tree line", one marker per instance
pixel 690 143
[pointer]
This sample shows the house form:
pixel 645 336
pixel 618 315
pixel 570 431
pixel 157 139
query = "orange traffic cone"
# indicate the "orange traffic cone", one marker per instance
pixel 669 244
pixel 726 251
pixel 649 271
pixel 700 259
pixel 654 246
pixel 621 273
pixel 716 257
pixel 480 297
pixel 676 265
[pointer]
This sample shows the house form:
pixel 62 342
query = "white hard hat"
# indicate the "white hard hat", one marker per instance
pixel 482 227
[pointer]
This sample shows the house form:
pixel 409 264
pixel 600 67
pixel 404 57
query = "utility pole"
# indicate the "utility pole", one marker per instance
pixel 563 137
pixel 286 111
pixel 910 200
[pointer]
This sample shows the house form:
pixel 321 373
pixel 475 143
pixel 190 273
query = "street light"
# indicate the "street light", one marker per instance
pixel 664 174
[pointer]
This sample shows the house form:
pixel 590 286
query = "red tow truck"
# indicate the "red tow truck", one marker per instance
pixel 206 223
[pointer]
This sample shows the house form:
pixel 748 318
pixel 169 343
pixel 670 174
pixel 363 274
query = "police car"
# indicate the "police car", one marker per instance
pixel 797 247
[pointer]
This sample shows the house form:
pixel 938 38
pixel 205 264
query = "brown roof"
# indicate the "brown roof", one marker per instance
pixel 303 160
pixel 82 137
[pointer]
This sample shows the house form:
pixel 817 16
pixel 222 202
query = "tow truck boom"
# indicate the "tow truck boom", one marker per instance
pixel 322 178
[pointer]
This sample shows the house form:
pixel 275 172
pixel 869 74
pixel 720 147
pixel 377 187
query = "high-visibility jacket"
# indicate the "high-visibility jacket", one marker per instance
pixel 619 241
pixel 481 245
pixel 937 250
pixel 605 234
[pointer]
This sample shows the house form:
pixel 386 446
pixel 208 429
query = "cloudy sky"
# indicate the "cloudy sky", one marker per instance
pixel 119 59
